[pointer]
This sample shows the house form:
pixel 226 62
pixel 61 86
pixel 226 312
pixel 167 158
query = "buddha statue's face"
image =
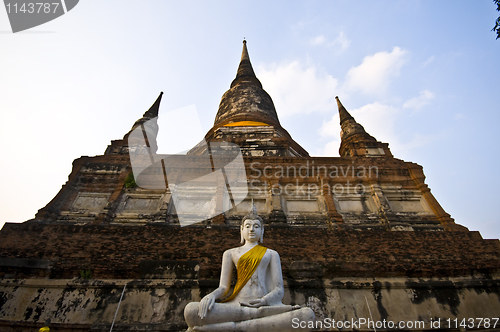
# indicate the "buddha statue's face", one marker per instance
pixel 252 230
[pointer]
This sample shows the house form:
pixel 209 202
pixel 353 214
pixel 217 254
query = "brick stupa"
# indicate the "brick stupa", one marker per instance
pixel 360 236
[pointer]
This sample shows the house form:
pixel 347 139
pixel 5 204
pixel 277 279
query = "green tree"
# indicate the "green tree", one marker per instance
pixel 497 23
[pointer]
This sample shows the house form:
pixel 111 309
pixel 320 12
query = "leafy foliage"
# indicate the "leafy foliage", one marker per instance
pixel 497 23
pixel 86 274
pixel 130 180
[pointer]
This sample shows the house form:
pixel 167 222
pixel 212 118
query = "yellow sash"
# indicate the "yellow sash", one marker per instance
pixel 247 264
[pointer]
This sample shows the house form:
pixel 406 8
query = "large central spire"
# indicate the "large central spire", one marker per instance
pixel 245 69
pixel 247 118
pixel 246 100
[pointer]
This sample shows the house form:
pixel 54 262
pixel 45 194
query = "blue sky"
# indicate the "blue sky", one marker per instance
pixel 420 75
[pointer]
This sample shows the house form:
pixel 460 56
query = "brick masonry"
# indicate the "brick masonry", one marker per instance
pixel 117 251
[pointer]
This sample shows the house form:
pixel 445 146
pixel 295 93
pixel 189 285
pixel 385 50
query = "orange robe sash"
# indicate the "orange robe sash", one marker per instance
pixel 247 264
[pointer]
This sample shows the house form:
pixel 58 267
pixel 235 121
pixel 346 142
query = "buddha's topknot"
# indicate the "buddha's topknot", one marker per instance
pixel 252 215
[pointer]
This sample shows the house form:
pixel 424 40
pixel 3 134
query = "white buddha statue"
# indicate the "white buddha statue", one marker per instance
pixel 255 304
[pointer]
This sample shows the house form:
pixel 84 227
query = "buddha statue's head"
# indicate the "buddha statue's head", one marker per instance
pixel 252 226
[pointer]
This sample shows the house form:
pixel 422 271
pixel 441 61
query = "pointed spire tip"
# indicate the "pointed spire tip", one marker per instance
pixel 245 70
pixel 344 115
pixel 154 109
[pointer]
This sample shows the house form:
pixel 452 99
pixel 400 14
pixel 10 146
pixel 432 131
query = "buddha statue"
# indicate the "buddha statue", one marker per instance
pixel 255 304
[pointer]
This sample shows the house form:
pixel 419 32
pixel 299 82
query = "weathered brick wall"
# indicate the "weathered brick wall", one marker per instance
pixel 402 275
pixel 118 251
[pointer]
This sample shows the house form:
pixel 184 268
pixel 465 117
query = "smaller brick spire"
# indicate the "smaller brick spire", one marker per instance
pixel 355 141
pixel 349 126
pixel 148 125
pixel 153 110
pixel 344 115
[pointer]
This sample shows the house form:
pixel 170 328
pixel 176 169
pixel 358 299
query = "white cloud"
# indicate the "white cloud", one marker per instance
pixel 341 40
pixel 330 149
pixel 318 40
pixel 379 120
pixel 296 89
pixel 418 102
pixel 376 71
pixel 331 128
pixel 376 118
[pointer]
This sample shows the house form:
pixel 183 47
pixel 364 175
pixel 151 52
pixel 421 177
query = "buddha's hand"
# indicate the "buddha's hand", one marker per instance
pixel 254 303
pixel 206 304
